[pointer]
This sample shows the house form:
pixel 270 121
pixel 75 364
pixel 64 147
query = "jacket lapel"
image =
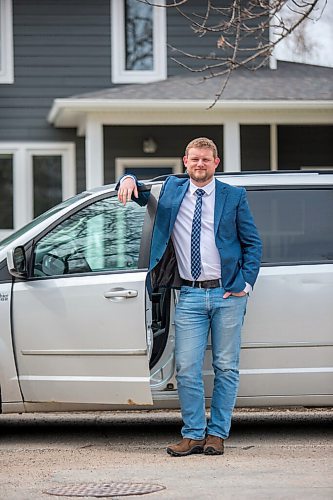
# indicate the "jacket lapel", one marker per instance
pixel 220 197
pixel 178 198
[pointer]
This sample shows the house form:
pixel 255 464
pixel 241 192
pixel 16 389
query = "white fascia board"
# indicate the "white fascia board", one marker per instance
pixel 69 112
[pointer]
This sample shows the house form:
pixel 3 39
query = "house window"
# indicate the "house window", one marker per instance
pixel 255 147
pixel 138 41
pixel 138 36
pixel 148 168
pixel 301 146
pixel 6 42
pixel 47 181
pixel 6 191
pixel 33 178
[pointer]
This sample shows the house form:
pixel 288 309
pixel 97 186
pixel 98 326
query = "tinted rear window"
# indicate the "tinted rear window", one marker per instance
pixel 296 225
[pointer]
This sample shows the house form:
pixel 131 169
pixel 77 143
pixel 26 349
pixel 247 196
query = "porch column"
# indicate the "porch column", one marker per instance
pixel 22 188
pixel 94 153
pixel 231 146
pixel 274 146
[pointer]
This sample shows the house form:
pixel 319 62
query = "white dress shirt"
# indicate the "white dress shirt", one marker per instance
pixel 181 235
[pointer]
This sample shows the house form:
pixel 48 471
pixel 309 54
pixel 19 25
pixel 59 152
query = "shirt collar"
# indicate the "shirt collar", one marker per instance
pixel 209 188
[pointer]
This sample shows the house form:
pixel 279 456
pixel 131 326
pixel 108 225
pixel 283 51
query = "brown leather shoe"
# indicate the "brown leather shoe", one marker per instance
pixel 214 445
pixel 186 447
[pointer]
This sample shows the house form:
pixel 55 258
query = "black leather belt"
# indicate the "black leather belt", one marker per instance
pixel 203 284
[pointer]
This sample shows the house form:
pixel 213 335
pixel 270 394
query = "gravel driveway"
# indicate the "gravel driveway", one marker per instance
pixel 285 454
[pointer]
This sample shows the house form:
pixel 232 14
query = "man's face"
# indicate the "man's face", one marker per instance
pixel 201 165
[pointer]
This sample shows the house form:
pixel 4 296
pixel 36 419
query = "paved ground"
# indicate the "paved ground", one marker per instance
pixel 270 455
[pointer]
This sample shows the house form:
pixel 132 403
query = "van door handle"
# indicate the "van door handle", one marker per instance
pixel 127 294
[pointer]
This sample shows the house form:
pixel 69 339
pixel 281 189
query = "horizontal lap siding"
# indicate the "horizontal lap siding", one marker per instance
pixel 126 142
pixel 181 35
pixel 61 48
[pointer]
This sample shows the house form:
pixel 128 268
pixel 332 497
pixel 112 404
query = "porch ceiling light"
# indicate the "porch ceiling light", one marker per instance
pixel 149 146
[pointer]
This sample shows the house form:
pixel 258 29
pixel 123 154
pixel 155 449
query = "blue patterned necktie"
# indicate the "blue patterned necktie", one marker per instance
pixel 195 236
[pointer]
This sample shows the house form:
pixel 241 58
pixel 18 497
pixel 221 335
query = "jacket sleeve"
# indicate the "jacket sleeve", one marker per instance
pixel 142 200
pixel 250 241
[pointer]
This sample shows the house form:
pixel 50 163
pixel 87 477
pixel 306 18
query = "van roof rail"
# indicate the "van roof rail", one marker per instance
pixel 251 172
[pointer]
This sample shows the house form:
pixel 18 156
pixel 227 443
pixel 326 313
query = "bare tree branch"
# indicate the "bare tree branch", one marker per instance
pixel 241 33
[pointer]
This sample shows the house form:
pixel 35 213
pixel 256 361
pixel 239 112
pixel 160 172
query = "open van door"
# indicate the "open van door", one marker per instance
pixel 79 319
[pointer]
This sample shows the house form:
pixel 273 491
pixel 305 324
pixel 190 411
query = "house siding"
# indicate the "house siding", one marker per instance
pixel 126 141
pixel 61 48
pixel 181 35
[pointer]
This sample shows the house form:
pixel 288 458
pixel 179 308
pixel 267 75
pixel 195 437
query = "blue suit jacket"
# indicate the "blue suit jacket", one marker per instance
pixel 236 235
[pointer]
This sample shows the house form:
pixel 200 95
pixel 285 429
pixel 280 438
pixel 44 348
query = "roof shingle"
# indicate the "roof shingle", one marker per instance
pixel 290 81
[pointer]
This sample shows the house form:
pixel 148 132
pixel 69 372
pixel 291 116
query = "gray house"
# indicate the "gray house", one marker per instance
pixel 82 101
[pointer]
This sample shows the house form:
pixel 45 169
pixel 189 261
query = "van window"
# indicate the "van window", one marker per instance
pixel 103 236
pixel 296 225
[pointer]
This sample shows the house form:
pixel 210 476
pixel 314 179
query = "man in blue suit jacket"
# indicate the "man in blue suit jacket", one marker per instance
pixel 205 241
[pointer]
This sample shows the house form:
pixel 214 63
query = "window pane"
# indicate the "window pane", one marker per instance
pixel 255 147
pixel 41 218
pixel 47 182
pixel 295 225
pixel 148 172
pixel 309 146
pixel 6 191
pixel 139 35
pixel 104 236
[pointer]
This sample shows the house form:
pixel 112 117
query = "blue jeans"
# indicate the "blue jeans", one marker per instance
pixel 199 311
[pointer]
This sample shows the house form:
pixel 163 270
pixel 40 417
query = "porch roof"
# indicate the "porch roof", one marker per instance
pixel 291 85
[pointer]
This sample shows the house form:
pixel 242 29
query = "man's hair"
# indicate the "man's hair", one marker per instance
pixel 202 142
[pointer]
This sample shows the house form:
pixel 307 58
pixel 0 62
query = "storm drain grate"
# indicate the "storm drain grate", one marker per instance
pixel 113 489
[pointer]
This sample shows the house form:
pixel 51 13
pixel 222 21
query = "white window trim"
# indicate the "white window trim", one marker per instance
pixel 119 72
pixel 122 163
pixel 6 46
pixel 314 167
pixel 23 175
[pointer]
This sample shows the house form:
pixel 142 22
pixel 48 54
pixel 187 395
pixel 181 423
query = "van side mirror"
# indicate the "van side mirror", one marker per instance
pixel 52 265
pixel 16 262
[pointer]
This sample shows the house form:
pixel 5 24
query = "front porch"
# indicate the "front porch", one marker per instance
pixel 263 118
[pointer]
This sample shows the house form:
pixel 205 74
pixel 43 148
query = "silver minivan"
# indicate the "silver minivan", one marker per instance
pixel 78 330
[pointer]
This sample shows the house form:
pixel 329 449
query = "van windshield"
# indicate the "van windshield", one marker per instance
pixel 41 218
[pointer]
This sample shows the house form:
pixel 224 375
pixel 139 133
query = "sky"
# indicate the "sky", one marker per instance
pixel 319 34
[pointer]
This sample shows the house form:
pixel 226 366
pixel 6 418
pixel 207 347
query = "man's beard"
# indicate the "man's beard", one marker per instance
pixel 201 175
